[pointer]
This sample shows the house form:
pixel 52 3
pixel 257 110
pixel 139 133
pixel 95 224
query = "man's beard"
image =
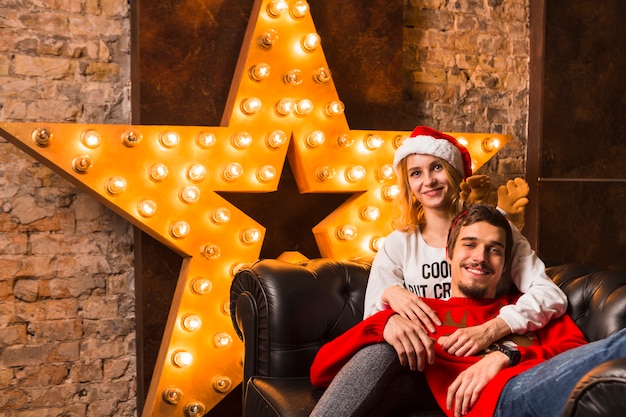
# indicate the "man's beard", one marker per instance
pixel 473 291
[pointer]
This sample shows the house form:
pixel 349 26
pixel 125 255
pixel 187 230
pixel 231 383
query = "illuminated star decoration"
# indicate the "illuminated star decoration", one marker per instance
pixel 164 179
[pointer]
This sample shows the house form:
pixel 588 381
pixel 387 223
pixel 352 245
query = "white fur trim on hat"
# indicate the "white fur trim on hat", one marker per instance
pixel 427 145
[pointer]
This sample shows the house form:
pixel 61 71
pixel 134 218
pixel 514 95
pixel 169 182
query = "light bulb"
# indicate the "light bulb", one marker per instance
pixel 324 173
pixel 310 42
pixel 42 136
pixel 147 208
pixel 180 229
pixel 201 286
pixel 194 409
pixel 370 213
pixel 220 215
pixel 322 75
pixel 376 242
pixel 205 140
pixel 259 72
pixel 303 107
pixel 389 192
pixel 172 395
pixel 292 77
pixel 90 138
pixel 232 171
pixel 344 141
pixel 116 185
pixel 347 232
pixel 490 144
pixel 241 140
pixel 191 322
pixel 334 108
pixel 276 8
pixel 196 172
pixel 222 340
pixel 397 141
pixel 169 139
pixel 266 173
pixel 250 236
pixel 158 172
pixel 463 141
pixel 373 142
pixel 222 384
pixel 82 163
pixel 284 106
pixel 275 139
pixel 189 194
pixel 131 137
pixel 299 9
pixel 355 173
pixel 211 252
pixel 251 105
pixel 182 358
pixel 267 39
pixel 385 173
pixel 315 139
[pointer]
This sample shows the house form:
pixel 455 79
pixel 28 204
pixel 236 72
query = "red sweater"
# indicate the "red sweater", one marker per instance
pixel 558 336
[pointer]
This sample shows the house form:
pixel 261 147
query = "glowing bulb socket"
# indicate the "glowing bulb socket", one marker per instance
pixel 267 39
pixel 158 172
pixel 180 229
pixel 373 142
pixel 303 107
pixel 315 139
pixel 220 215
pixel 334 108
pixel 390 192
pixel 322 75
pixel 276 8
pixel 222 384
pixel 211 252
pixel 275 139
pixel 376 242
pixel 116 185
pixel 284 107
pixel 42 137
pixel 355 173
pixel 196 172
pixel 324 173
pixel 299 9
pixel 222 340
pixel 131 138
pixel 172 395
pixel 250 236
pixel 147 208
pixel 232 171
pixel 205 140
pixel 259 72
pixel 201 286
pixel 182 358
pixel 490 144
pixel 189 194
pixel 241 140
pixel 370 214
pixel 169 139
pixel 292 77
pixel 266 173
pixel 82 163
pixel 194 409
pixel 310 42
pixel 347 232
pixel 385 173
pixel 251 105
pixel 90 138
pixel 191 322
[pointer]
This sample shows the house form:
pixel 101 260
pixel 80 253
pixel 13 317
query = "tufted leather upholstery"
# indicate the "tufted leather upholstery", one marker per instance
pixel 285 312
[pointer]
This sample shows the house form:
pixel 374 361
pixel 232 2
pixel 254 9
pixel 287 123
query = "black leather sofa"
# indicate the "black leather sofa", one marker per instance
pixel 285 312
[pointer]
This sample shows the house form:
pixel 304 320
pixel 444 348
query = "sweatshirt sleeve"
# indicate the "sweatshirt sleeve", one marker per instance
pixel 541 300
pixel 335 354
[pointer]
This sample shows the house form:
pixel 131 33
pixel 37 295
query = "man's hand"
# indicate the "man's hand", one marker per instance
pixel 475 188
pixel 411 342
pixel 411 307
pixel 466 388
pixel 471 340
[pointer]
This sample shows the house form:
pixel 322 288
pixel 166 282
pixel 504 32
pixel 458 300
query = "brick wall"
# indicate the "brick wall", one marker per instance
pixel 67 331
pixel 67 338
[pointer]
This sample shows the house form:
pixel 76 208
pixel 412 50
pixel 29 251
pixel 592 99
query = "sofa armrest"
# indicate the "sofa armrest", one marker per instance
pixel 600 392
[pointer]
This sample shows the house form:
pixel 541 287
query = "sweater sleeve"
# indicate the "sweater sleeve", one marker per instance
pixel 335 354
pixel 559 335
pixel 541 300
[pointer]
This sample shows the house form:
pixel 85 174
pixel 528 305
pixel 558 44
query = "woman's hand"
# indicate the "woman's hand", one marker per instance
pixel 471 340
pixel 411 307
pixel 466 388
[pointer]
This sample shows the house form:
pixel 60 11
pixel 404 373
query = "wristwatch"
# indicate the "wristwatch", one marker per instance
pixel 512 353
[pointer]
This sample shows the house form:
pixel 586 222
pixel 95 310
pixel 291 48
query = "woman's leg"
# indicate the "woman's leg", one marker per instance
pixel 542 391
pixel 373 383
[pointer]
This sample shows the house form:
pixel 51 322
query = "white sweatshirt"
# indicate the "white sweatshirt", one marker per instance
pixel 406 260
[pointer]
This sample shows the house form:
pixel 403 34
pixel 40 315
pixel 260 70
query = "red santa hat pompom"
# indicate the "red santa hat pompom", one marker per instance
pixel 427 141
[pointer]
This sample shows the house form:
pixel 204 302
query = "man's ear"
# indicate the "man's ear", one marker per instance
pixel 448 258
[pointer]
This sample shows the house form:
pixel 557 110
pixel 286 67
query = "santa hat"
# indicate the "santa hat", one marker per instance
pixel 427 141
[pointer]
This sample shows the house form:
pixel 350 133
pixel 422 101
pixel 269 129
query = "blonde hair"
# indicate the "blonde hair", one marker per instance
pixel 410 211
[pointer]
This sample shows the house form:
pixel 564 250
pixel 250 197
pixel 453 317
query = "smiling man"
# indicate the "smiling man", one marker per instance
pixel 513 377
